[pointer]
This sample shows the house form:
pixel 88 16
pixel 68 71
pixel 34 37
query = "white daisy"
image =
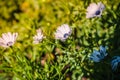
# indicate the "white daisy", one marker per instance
pixel 94 10
pixel 63 32
pixel 38 37
pixel 8 39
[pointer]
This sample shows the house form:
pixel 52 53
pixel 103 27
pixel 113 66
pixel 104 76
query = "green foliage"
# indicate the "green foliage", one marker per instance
pixel 52 59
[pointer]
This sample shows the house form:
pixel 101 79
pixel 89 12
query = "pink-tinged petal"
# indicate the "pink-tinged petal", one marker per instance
pixel 101 6
pixel 10 36
pixel 3 45
pixel 5 37
pixel 2 40
pixel 15 35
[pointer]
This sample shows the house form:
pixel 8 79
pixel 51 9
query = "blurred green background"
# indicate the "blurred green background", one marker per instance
pixel 65 61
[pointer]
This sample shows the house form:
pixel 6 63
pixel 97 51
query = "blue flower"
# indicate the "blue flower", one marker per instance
pixel 97 56
pixel 115 62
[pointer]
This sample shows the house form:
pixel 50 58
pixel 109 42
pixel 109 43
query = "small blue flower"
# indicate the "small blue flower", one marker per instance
pixel 97 56
pixel 115 62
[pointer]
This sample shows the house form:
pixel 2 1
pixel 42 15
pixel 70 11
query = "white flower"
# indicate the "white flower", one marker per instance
pixel 94 10
pixel 63 32
pixel 8 39
pixel 38 37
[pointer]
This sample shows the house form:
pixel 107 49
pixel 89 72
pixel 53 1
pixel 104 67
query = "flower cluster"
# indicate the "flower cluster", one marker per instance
pixel 63 32
pixel 97 56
